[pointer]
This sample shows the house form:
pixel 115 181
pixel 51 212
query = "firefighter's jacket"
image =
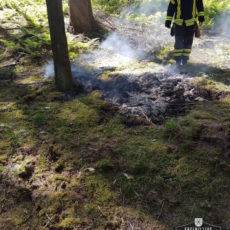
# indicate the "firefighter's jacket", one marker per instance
pixel 185 12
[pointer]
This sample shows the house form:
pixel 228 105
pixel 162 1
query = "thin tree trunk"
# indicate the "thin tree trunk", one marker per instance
pixel 81 16
pixel 63 75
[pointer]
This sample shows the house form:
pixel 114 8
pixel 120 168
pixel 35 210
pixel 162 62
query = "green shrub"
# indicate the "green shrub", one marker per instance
pixel 170 126
pixel 110 5
pixel 14 140
pixel 213 9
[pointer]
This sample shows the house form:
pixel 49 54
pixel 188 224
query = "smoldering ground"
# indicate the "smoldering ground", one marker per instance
pixel 124 69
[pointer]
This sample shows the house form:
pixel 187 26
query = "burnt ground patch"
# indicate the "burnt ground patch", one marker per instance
pixel 153 94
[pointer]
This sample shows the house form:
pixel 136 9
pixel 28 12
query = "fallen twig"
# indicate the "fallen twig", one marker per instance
pixel 162 206
pixel 27 218
pixel 102 213
pixel 49 220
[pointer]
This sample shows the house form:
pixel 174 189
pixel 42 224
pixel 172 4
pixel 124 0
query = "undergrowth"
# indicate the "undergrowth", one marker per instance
pixel 154 11
pixel 113 6
pixel 214 9
pixel 28 33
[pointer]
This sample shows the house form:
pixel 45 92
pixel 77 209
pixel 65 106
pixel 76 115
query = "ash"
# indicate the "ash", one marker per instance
pixel 154 93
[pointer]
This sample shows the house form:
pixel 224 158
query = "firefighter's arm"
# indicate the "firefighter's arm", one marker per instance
pixel 200 9
pixel 170 13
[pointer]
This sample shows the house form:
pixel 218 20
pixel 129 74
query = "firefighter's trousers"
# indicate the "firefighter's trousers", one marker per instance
pixel 183 42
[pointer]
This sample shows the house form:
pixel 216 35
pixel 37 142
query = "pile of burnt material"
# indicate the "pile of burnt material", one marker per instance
pixel 154 96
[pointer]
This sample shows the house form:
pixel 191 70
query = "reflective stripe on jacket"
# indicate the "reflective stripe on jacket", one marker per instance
pixel 185 11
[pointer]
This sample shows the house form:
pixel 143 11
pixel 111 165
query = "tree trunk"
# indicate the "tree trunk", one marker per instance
pixel 63 75
pixel 81 16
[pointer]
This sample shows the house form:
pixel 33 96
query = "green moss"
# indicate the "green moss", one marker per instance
pixel 61 178
pixel 26 168
pixel 105 76
pixel 29 80
pixel 3 159
pixel 104 164
pixel 17 158
pixel 77 47
pixel 70 223
pixel 15 140
pixel 4 150
pixel 90 209
pixel 165 53
pixel 56 201
pixel 39 118
pixel 101 191
pixel 214 82
pixel 79 113
pixel 139 167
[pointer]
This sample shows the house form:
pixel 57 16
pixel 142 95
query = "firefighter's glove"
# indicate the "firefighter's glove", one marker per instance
pixel 168 24
pixel 201 18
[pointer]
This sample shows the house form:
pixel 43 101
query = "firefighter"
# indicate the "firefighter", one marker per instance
pixel 185 14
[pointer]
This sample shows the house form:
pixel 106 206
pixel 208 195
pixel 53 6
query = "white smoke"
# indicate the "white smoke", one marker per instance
pixel 49 70
pixel 115 51
pixel 151 7
pixel 119 44
pixel 222 25
pixel 154 9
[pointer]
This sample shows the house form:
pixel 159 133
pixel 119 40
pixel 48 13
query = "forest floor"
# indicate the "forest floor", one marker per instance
pixel 86 160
